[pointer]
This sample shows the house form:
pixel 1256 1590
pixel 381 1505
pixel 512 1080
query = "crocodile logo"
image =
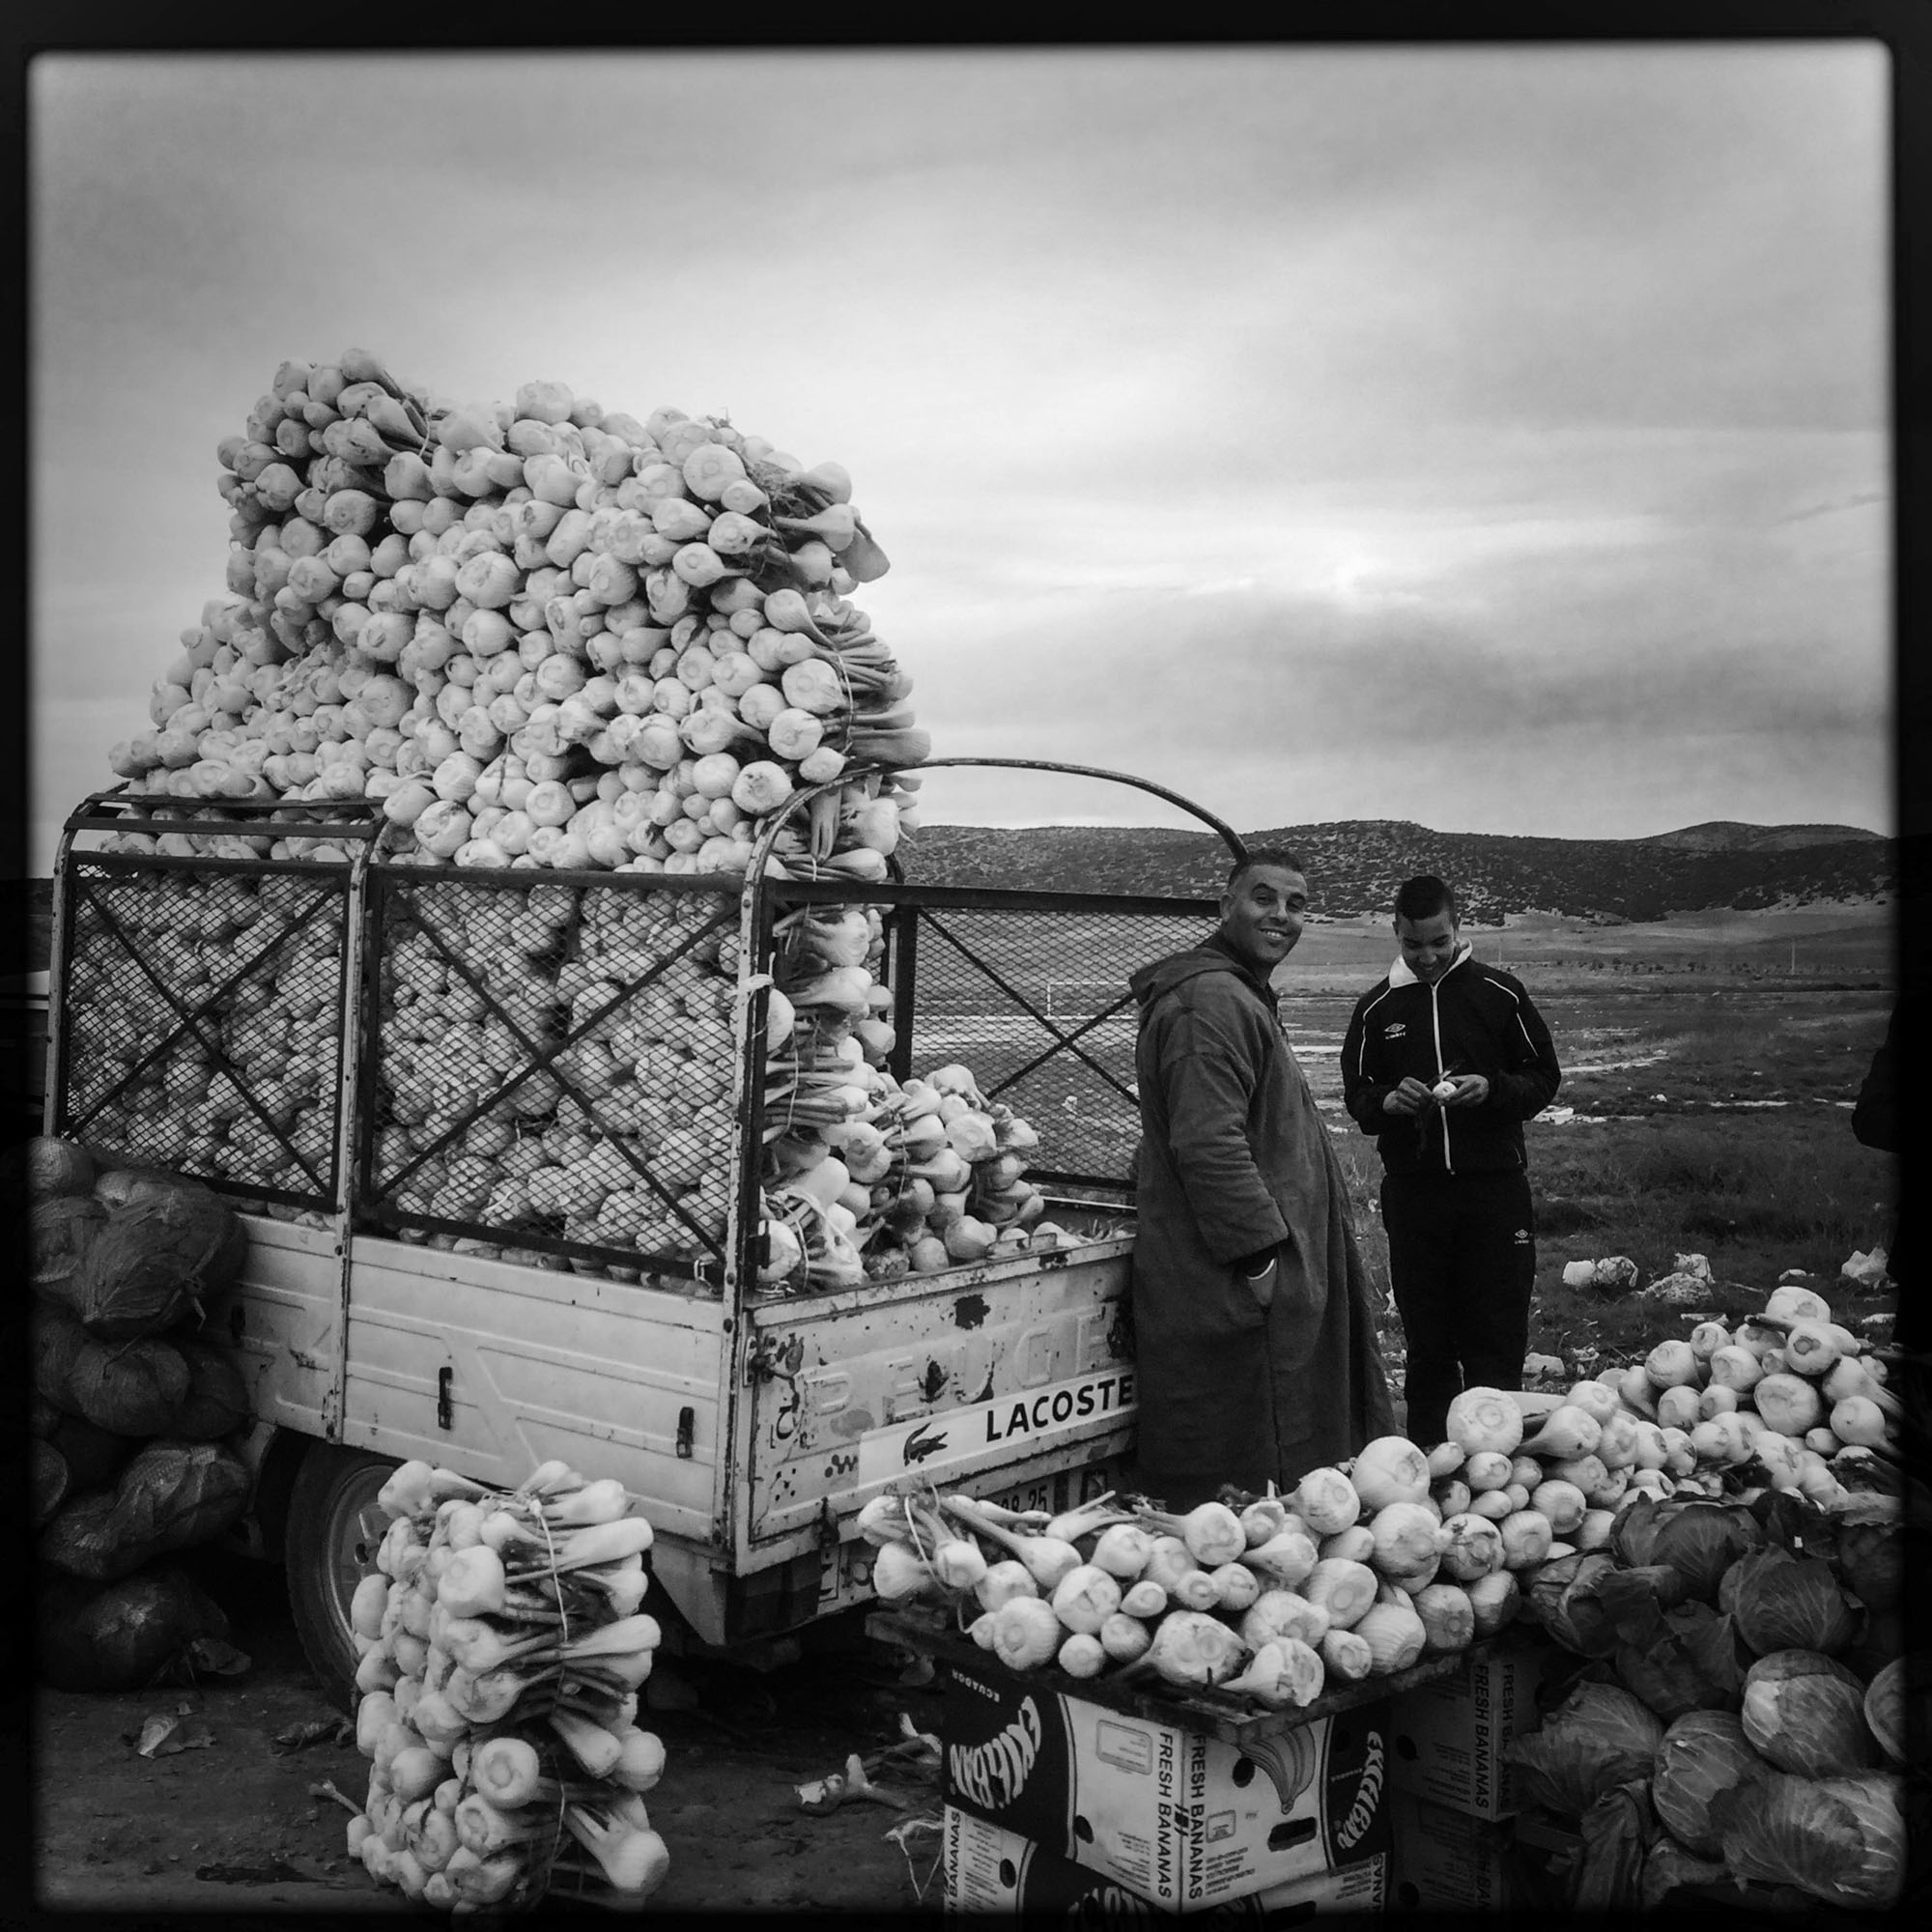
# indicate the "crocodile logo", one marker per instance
pixel 919 1445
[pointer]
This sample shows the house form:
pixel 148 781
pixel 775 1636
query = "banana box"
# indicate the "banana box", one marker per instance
pixel 996 1874
pixel 1171 1815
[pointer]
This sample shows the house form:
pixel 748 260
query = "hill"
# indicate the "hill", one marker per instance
pixel 1730 835
pixel 1354 867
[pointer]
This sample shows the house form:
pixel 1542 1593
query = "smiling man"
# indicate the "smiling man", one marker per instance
pixel 1255 1345
pixel 1444 1061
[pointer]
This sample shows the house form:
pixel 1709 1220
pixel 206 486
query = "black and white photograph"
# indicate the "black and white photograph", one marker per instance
pixel 970 979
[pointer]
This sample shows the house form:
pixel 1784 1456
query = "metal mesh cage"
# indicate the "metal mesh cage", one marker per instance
pixel 201 1021
pixel 554 1072
pixel 1034 1000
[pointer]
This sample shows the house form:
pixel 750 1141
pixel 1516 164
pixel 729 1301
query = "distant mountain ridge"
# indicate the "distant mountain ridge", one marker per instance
pixel 1730 835
pixel 1356 866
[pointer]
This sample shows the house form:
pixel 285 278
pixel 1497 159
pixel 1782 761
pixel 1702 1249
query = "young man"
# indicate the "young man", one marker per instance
pixel 1255 1345
pixel 1444 1061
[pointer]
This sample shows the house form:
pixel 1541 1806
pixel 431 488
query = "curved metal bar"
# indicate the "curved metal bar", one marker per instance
pixel 1187 805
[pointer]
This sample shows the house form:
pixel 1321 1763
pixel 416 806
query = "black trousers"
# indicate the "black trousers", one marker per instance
pixel 1462 1265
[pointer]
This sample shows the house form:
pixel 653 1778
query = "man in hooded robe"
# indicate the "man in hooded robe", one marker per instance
pixel 1255 1344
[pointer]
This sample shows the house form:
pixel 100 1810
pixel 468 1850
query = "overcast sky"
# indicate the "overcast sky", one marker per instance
pixel 1494 438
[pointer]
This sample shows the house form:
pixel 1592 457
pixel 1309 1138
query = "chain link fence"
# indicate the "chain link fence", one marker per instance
pixel 1033 1002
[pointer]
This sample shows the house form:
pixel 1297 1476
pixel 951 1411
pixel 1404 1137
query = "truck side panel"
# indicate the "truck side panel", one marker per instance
pixel 284 1318
pixel 492 1368
pixel 992 1366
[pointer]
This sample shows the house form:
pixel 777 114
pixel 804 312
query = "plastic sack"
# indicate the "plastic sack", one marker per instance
pixel 170 1496
pixel 216 1401
pixel 93 1456
pixel 123 1188
pixel 120 1637
pixel 153 1259
pixel 48 1479
pixel 43 1417
pixel 60 1230
pixel 131 1389
pixel 58 1340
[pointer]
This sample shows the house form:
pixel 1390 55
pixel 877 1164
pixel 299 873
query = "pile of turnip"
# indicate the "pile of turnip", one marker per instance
pixel 1787 1400
pixel 867 1177
pixel 539 633
pixel 1360 1572
pixel 501 1649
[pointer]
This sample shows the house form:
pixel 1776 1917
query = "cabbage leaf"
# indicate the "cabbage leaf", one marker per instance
pixel 1597 1738
pixel 1840 1840
pixel 1688 1663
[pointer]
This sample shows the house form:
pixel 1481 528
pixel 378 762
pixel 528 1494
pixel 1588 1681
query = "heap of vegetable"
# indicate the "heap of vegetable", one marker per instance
pixel 501 1649
pixel 542 634
pixel 1747 1694
pixel 1361 1571
pixel 1787 1400
pixel 870 1178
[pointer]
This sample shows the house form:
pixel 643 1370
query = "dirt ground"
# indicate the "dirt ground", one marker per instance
pixel 235 1825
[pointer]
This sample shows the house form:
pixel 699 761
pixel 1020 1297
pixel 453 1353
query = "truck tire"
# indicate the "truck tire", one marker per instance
pixel 330 1546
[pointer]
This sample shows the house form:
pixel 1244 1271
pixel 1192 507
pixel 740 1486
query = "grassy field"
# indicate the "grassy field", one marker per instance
pixel 1710 1067
pixel 1715 1123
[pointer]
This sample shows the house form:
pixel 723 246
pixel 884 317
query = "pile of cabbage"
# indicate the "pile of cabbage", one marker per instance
pixel 539 633
pixel 1746 1709
pixel 501 1649
pixel 1361 1571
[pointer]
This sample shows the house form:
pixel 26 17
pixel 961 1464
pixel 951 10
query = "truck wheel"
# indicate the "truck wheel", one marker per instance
pixel 330 1545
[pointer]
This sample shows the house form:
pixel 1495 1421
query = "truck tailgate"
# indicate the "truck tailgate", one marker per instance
pixel 493 1368
pixel 990 1366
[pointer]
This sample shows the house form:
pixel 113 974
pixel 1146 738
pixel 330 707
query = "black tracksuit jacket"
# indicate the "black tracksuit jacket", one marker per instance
pixel 1474 1019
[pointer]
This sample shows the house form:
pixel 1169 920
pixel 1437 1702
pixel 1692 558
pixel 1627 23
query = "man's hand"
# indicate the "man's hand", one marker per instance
pixel 1471 1090
pixel 1409 1099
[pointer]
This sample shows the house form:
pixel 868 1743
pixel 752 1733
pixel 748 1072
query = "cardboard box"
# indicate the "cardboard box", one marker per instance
pixel 1450 1735
pixel 995 1873
pixel 1170 1814
pixel 1446 1861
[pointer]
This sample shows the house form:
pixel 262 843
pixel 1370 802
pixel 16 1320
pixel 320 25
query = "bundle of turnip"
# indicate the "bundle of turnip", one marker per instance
pixel 501 1650
pixel 869 1178
pixel 540 633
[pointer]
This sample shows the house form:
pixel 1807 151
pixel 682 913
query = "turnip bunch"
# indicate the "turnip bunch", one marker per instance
pixel 501 1651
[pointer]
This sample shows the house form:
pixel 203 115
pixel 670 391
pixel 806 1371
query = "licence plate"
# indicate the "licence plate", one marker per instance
pixel 1064 1489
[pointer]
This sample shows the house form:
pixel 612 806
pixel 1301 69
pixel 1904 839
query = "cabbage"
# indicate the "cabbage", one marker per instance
pixel 1840 1840
pixel 1886 1697
pixel 1616 1833
pixel 1688 1663
pixel 60 1229
pixel 1563 1598
pixel 1703 1754
pixel 56 1167
pixel 1698 1538
pixel 1804 1713
pixel 1870 1563
pixel 1781 1602
pixel 1597 1738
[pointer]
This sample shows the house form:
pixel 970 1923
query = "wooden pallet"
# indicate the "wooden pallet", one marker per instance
pixel 1234 1718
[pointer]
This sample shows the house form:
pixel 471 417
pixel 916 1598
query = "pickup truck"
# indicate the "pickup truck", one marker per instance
pixel 369 1057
